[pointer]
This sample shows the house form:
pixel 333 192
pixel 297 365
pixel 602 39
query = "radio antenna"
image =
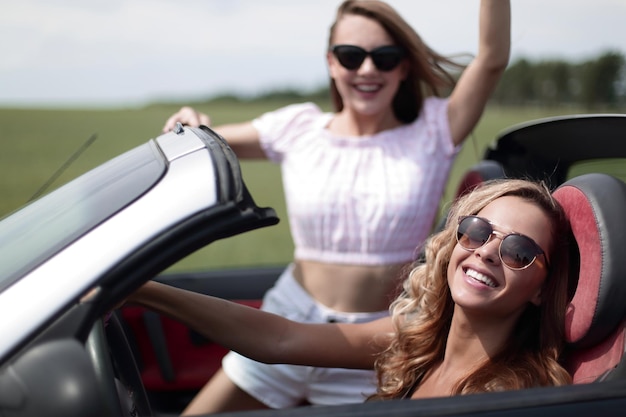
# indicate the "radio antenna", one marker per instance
pixel 63 167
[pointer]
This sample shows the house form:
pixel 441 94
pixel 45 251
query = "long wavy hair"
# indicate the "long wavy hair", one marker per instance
pixel 422 314
pixel 428 71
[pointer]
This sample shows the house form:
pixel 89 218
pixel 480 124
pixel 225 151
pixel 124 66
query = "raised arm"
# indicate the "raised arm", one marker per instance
pixel 267 337
pixel 243 138
pixel 480 78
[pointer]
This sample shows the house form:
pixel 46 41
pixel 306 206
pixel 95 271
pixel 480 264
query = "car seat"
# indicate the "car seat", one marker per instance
pixel 595 321
pixel 479 173
pixel 483 171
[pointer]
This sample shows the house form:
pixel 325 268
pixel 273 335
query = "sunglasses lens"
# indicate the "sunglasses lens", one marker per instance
pixel 350 57
pixel 473 232
pixel 387 58
pixel 518 251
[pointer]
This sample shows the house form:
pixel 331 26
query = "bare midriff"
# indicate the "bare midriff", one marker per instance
pixel 350 288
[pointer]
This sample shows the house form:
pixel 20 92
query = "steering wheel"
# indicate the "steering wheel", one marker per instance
pixel 116 370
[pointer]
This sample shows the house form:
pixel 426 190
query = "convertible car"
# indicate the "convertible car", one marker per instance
pixel 69 258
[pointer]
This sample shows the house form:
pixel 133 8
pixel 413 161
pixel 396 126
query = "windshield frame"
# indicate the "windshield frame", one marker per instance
pixel 44 227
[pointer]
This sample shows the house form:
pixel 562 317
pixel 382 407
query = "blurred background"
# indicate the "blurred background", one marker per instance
pixel 119 52
pixel 115 70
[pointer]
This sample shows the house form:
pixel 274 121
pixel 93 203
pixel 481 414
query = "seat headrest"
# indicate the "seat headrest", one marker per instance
pixel 483 171
pixel 595 205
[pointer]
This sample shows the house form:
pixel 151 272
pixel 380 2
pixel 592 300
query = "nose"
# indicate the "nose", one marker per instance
pixel 367 65
pixel 489 251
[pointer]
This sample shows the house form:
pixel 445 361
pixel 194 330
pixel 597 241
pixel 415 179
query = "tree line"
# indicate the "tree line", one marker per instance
pixel 596 83
pixel 593 84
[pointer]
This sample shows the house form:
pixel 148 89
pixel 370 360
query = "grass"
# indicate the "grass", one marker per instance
pixel 35 143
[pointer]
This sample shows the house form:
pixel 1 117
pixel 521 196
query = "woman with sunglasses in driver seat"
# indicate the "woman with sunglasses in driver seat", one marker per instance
pixel 362 185
pixel 484 312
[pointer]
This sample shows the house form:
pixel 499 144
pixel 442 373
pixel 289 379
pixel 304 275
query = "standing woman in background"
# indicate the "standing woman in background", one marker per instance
pixel 362 186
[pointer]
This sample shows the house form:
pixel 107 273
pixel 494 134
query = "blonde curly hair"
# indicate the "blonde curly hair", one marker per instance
pixel 423 312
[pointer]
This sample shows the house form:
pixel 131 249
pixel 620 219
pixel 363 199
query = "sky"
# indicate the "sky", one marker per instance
pixel 133 52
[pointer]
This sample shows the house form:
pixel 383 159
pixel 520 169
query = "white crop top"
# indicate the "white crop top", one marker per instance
pixel 359 200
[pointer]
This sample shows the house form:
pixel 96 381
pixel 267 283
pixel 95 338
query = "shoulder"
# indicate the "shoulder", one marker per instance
pixel 280 130
pixel 433 112
pixel 434 116
pixel 435 108
pixel 429 134
pixel 301 112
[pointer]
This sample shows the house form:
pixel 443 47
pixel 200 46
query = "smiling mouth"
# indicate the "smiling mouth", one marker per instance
pixel 368 88
pixel 482 278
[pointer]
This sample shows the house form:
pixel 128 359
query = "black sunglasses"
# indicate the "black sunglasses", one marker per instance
pixel 351 57
pixel 516 251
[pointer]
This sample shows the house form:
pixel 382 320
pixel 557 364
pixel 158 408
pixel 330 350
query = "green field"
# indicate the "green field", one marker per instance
pixel 35 143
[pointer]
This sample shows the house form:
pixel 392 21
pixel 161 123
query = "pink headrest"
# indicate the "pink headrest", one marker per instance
pixel 479 173
pixel 596 208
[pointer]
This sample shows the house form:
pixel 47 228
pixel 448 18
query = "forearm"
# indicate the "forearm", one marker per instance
pixel 267 337
pixel 243 138
pixel 246 330
pixel 476 84
pixel 495 33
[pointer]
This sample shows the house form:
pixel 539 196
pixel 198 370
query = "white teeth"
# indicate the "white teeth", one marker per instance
pixel 480 277
pixel 367 88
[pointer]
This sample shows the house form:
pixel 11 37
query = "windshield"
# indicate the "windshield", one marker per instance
pixel 44 227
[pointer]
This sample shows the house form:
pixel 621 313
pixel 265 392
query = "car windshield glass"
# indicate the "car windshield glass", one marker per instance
pixel 44 227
